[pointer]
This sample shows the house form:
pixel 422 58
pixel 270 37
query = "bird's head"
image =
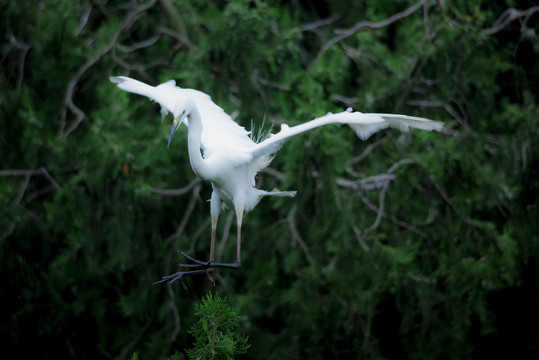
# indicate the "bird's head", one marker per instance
pixel 181 111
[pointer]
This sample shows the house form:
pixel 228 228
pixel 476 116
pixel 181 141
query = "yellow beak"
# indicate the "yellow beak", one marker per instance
pixel 175 125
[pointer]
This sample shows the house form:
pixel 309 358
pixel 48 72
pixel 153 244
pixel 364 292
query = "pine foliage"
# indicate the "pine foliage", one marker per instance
pixel 215 331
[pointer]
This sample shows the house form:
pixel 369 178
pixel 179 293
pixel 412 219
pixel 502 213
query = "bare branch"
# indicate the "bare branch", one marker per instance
pixel 320 23
pixel 393 219
pixel 381 205
pixel 365 25
pixel 186 216
pixel 139 45
pixel 368 150
pixel 71 87
pixel 508 16
pixel 33 172
pixel 181 39
pixel 467 220
pixel 295 234
pixel 360 239
pixel 176 192
pixel 399 163
pixel 24 48
pixel 176 20
pixel 83 20
pixel 368 183
pixel 272 172
pixel 346 101
pixel 376 182
pixel 38 193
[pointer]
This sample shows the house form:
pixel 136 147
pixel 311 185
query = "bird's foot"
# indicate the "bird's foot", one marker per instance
pixel 197 263
pixel 201 268
pixel 181 274
pixel 207 265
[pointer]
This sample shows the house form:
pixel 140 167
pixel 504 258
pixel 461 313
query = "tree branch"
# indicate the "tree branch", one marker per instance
pixel 467 220
pixel 320 23
pixel 508 16
pixel 368 183
pixel 176 192
pixel 71 87
pixel 295 234
pixel 364 25
pixel 27 173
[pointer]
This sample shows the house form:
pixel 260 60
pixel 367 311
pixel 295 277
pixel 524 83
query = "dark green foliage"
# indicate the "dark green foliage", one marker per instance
pixel 215 330
pixel 440 262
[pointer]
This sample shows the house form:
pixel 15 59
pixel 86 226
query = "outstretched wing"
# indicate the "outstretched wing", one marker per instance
pixel 220 133
pixel 163 94
pixel 363 124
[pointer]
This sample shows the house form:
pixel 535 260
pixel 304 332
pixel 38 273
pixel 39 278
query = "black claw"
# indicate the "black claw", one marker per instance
pixel 179 277
pixel 201 267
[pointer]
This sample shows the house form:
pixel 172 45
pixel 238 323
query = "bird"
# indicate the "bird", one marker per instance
pixel 223 152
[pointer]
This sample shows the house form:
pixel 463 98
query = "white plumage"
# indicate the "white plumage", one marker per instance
pixel 231 159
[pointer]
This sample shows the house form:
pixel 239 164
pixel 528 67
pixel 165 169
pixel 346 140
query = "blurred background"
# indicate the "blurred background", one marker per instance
pixel 409 245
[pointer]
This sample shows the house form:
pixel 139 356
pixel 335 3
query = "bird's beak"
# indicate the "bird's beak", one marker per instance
pixel 175 125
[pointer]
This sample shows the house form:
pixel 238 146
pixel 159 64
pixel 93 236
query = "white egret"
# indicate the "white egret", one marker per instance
pixel 230 159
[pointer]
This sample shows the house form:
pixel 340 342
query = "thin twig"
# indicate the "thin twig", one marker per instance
pixel 365 25
pixel 375 182
pixel 31 172
pixel 368 150
pixel 467 220
pixel 295 234
pixel 508 16
pixel 346 101
pixel 177 21
pixel 186 216
pixel 23 189
pixel 320 23
pixel 381 204
pixel 368 183
pixel 139 45
pixel 176 192
pixel 399 163
pixel 275 173
pixel 71 87
pixel 24 48
pixel 83 20
pixel 175 315
pixel 393 219
pixel 184 41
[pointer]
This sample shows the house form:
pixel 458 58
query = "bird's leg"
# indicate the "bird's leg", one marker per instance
pixel 239 218
pixel 238 207
pixel 215 208
pixel 206 267
pixel 202 265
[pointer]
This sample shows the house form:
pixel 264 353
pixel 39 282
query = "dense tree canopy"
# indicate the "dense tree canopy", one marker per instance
pixel 410 245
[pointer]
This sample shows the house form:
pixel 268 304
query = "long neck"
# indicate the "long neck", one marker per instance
pixel 198 163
